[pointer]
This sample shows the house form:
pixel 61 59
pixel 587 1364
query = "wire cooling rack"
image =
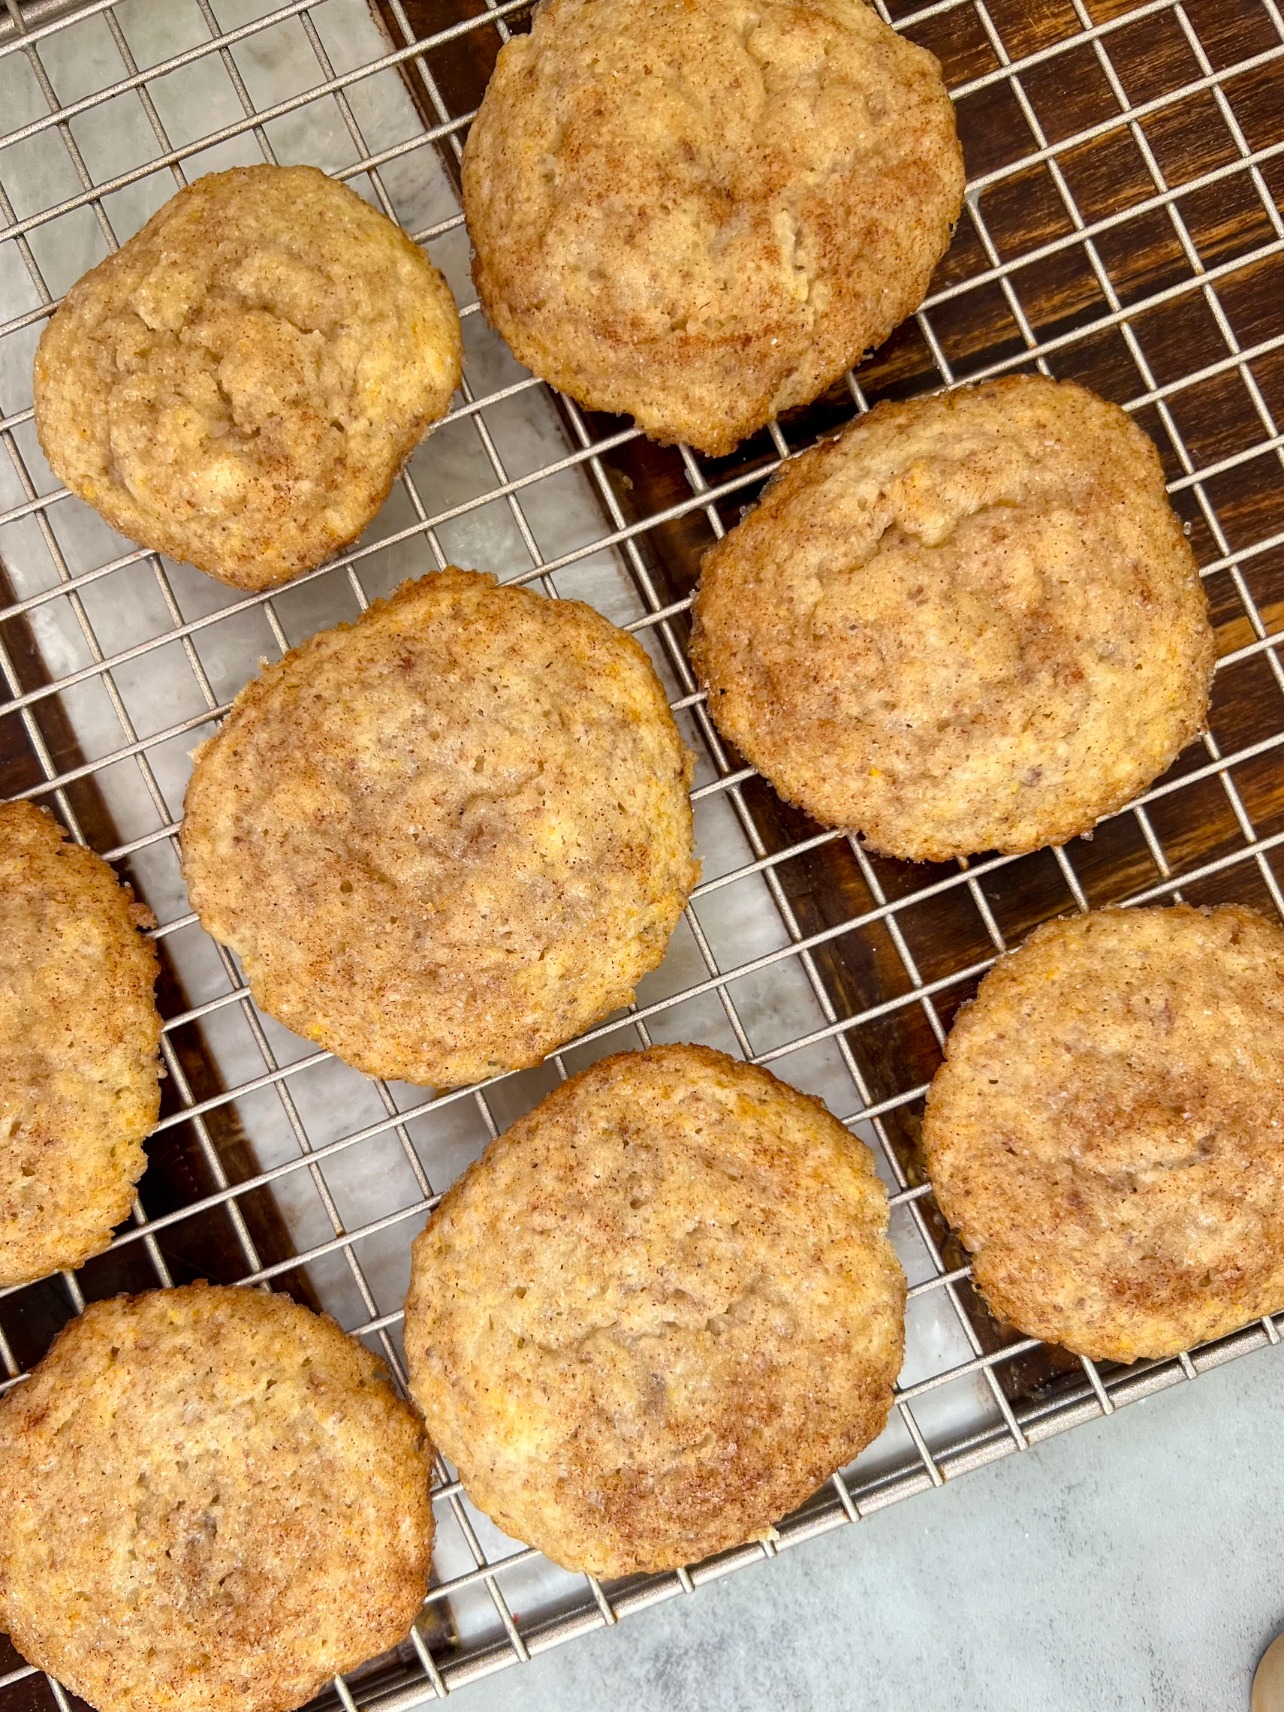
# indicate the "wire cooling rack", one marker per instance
pixel 1122 227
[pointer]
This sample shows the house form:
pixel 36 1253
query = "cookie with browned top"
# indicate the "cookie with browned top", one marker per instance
pixel 79 1033
pixel 972 622
pixel 240 383
pixel 445 839
pixel 213 1502
pixel 701 212
pixel 658 1312
pixel 1107 1132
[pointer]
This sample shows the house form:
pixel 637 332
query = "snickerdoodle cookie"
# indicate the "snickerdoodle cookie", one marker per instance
pixel 701 212
pixel 78 1047
pixel 972 622
pixel 240 383
pixel 1107 1132
pixel 445 839
pixel 658 1311
pixel 214 1501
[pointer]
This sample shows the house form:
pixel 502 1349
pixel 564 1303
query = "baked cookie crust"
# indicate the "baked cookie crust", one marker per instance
pixel 79 1033
pixel 214 1501
pixel 1107 1131
pixel 445 839
pixel 240 383
pixel 658 1312
pixel 972 622
pixel 700 213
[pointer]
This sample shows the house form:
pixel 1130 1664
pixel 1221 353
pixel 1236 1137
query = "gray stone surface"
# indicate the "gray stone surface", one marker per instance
pixel 1136 1564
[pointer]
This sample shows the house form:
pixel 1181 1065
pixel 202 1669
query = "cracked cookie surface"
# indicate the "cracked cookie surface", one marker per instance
pixel 214 1500
pixel 1107 1132
pixel 658 1312
pixel 79 1034
pixel 701 212
pixel 240 383
pixel 445 839
pixel 972 622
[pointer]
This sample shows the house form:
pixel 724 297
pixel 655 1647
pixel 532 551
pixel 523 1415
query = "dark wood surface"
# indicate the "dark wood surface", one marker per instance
pixel 1061 296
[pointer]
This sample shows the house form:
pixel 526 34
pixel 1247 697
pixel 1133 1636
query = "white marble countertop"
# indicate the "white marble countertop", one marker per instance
pixel 1137 1564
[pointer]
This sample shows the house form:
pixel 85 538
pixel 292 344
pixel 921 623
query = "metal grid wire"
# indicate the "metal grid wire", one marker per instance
pixel 749 973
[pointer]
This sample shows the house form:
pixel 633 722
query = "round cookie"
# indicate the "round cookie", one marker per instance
pixel 1107 1132
pixel 447 838
pixel 214 1501
pixel 239 385
pixel 972 622
pixel 702 212
pixel 658 1312
pixel 79 1034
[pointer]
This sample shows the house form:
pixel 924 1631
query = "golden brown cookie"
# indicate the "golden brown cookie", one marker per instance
pixel 214 1501
pixel 1107 1132
pixel 239 385
pixel 78 1040
pixel 701 212
pixel 657 1312
pixel 447 838
pixel 972 622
